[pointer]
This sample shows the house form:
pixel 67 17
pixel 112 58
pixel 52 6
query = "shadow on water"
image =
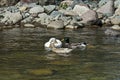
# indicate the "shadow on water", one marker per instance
pixel 23 57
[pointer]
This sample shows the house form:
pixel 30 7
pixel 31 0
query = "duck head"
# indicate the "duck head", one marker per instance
pixel 52 40
pixel 66 39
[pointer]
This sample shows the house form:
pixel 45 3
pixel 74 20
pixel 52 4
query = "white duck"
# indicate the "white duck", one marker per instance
pixel 57 43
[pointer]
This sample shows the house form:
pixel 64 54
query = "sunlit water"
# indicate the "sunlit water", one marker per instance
pixel 23 57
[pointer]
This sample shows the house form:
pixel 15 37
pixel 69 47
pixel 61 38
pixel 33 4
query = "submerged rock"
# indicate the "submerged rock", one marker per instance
pixel 113 31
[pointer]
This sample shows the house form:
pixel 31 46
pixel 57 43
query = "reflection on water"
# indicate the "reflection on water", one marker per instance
pixel 22 56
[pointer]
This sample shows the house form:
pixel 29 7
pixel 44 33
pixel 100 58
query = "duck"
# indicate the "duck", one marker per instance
pixel 57 43
pixel 67 44
pixel 60 50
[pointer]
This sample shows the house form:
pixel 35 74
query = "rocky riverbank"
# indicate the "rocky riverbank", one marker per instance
pixel 70 14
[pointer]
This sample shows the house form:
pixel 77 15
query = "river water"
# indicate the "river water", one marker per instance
pixel 23 57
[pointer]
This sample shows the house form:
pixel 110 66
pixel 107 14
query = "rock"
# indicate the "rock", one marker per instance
pixel 75 2
pixel 68 12
pixel 8 2
pixel 42 15
pixel 25 15
pixel 116 27
pixel 117 11
pixel 93 5
pixel 102 2
pixel 59 24
pixel 55 15
pixel 77 18
pixel 1 17
pixel 66 19
pixel 9 18
pixel 67 2
pixel 12 9
pixel 16 18
pixel 49 8
pixel 115 20
pixel 36 9
pixel 80 9
pixel 29 25
pixel 42 18
pixel 100 15
pixel 23 8
pixel 3 2
pixel 107 21
pixel 71 27
pixel 111 32
pixel 116 3
pixel 27 20
pixel 89 17
pixel 42 2
pixel 107 9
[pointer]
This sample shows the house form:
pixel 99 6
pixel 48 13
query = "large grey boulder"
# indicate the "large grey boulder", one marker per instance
pixel 59 24
pixel 89 17
pixel 80 9
pixel 107 9
pixel 36 9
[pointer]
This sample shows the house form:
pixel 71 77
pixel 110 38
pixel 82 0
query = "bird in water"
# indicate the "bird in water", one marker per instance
pixel 67 44
pixel 59 50
pixel 57 43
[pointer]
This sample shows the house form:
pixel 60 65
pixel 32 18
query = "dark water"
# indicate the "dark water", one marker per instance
pixel 22 56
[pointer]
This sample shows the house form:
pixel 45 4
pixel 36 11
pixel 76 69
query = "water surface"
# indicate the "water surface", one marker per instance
pixel 23 57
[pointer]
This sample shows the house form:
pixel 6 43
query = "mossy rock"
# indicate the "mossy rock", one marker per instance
pixel 40 72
